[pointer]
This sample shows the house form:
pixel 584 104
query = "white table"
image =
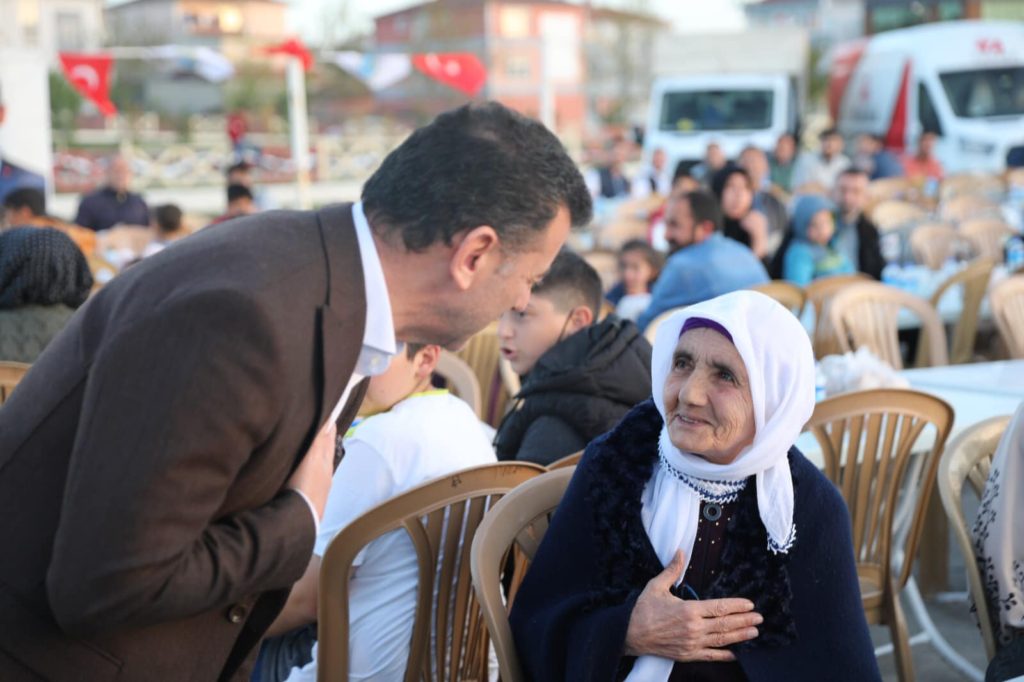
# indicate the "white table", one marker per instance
pixel 997 378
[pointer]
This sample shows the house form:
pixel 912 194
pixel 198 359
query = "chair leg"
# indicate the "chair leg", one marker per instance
pixel 900 636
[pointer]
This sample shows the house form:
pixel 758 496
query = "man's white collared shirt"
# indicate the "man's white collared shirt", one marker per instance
pixel 379 344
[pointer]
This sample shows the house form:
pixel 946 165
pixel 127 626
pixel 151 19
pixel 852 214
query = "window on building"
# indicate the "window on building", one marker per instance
pixel 28 20
pixel 517 67
pixel 70 32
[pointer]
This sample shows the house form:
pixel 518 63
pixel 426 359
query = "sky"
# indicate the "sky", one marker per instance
pixel 312 18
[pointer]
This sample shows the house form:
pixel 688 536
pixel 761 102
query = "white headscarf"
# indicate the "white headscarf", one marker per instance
pixel 776 352
pixel 997 536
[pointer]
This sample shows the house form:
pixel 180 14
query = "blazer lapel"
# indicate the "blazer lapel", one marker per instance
pixel 342 318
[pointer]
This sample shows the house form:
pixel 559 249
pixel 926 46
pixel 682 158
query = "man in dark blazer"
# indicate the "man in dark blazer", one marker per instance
pixel 164 464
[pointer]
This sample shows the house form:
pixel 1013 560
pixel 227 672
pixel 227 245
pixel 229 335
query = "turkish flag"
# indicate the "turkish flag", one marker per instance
pixel 295 48
pixel 90 75
pixel 460 70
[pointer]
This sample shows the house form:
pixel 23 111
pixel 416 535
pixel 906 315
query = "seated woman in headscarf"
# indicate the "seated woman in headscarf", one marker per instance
pixel 810 255
pixel 44 277
pixel 694 541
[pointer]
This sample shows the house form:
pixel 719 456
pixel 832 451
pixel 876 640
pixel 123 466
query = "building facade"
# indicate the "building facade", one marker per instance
pixel 52 26
pixel 552 60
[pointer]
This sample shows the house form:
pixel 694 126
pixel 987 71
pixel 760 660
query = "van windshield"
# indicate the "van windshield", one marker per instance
pixel 697 110
pixel 986 92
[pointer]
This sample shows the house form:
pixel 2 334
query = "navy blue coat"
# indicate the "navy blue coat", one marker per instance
pixel 570 616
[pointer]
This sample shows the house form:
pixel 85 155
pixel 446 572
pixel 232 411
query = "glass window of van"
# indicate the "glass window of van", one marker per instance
pixel 926 114
pixel 985 92
pixel 697 110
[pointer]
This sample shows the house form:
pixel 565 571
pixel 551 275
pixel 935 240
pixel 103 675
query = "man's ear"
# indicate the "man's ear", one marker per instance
pixel 705 229
pixel 471 255
pixel 580 317
pixel 426 361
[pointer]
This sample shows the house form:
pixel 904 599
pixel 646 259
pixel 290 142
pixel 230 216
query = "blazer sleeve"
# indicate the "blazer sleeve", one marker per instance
pixel 174 407
pixel 566 624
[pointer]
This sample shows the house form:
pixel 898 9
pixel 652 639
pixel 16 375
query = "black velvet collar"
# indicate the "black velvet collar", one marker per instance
pixel 622 462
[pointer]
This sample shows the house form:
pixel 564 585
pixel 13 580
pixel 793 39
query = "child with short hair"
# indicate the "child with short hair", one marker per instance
pixel 580 376
pixel 809 255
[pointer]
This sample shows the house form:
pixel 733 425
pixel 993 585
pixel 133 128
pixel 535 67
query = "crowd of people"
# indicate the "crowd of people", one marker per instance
pixel 189 443
pixel 797 217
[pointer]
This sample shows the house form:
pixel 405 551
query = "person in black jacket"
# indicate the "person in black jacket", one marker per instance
pixel 856 236
pixel 580 376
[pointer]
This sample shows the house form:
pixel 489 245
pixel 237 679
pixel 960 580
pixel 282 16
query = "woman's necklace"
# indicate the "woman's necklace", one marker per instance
pixel 716 493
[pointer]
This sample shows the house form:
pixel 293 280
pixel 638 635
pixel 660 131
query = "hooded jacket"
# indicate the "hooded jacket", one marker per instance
pixel 580 388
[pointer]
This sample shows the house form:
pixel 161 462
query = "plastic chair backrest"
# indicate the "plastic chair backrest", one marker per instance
pixel 786 293
pixel 652 327
pixel 461 380
pixel 441 518
pixel 819 293
pixel 567 461
pixel 482 354
pixel 968 459
pixel 974 279
pixel 520 518
pixel 11 373
pixel 893 215
pixel 986 237
pixel 1007 300
pixel 933 244
pixel 867 314
pixel 867 439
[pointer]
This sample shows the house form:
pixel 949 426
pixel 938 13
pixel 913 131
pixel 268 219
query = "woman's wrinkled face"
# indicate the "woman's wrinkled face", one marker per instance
pixel 737 198
pixel 708 406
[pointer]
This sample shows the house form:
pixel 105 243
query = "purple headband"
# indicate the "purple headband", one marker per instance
pixel 704 323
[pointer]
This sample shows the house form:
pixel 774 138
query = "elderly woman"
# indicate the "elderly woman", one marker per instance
pixel 694 542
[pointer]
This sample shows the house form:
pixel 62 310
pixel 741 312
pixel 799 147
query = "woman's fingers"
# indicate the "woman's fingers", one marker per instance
pixel 717 655
pixel 717 608
pixel 717 640
pixel 734 622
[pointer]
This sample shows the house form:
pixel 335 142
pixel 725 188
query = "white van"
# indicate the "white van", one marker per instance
pixel 686 113
pixel 963 80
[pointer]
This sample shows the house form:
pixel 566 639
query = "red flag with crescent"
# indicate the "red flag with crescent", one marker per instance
pixel 295 48
pixel 90 75
pixel 460 70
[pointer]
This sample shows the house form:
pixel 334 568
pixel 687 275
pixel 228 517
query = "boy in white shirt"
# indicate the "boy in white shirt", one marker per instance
pixel 412 434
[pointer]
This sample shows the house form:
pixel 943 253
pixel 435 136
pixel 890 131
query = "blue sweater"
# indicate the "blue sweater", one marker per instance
pixel 716 266
pixel 570 616
pixel 806 261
